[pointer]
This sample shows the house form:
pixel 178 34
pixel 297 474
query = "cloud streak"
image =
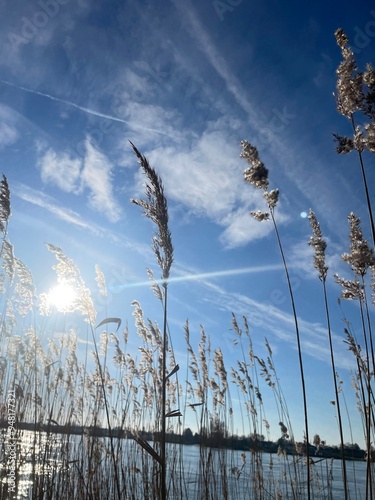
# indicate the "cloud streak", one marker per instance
pixel 89 111
pixel 48 203
pixel 205 44
pixel 202 277
pixel 279 325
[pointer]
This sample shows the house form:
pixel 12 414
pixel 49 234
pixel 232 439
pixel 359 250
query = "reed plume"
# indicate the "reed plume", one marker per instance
pixel 155 208
pixel 257 175
pixel 319 245
pixel 356 94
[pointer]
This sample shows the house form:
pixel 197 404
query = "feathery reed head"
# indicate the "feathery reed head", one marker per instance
pixel 369 81
pixel 257 173
pixel 155 208
pixel 259 215
pixel 344 144
pixel 349 81
pixel 284 430
pixel 355 92
pixel 352 289
pixel 271 197
pixel 361 256
pixel 100 279
pixel 319 245
pixel 4 203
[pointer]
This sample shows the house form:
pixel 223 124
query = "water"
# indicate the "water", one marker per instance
pixel 278 475
pixel 193 473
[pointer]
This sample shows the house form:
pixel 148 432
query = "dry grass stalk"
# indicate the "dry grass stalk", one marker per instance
pixel 155 208
pixel 257 175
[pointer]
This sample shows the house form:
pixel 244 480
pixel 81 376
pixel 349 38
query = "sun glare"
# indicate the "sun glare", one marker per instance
pixel 62 296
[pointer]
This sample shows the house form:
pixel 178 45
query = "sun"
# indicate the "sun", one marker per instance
pixel 62 296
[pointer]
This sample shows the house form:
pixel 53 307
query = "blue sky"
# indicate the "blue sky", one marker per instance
pixel 186 82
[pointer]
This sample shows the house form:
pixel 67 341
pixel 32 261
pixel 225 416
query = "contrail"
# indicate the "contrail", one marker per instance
pixel 202 276
pixel 85 110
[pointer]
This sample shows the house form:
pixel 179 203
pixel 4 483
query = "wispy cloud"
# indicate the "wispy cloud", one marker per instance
pixel 61 170
pixel 199 174
pixel 274 130
pixel 241 228
pixel 208 180
pixel 48 203
pixel 96 175
pixel 132 124
pixel 8 130
pixel 205 44
pixel 151 122
pixel 74 175
pixel 278 325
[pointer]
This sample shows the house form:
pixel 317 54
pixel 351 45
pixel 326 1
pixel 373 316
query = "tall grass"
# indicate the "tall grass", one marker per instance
pixel 155 208
pixel 319 245
pixel 257 175
pixel 138 397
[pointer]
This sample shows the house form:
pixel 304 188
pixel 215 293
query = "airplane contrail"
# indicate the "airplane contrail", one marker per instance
pixel 202 276
pixel 85 110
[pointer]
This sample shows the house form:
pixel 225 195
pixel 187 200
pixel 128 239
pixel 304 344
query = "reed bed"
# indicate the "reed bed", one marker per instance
pixel 142 400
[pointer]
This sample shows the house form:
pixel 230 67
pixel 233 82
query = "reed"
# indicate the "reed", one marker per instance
pixel 319 245
pixel 65 396
pixel 55 388
pixel 155 208
pixel 355 95
pixel 257 175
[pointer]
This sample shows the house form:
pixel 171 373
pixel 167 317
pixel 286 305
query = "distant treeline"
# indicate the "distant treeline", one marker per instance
pixel 213 440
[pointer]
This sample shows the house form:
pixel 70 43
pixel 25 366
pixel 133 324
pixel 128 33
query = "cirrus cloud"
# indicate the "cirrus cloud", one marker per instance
pixel 76 175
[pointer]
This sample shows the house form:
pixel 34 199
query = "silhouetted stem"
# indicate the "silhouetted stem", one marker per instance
pixel 336 392
pixel 117 482
pixel 163 409
pixel 299 352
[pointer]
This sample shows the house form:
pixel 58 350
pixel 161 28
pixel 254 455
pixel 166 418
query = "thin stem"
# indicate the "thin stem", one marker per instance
pixel 369 328
pixel 336 391
pixel 367 409
pixel 117 482
pixel 299 352
pixel 163 408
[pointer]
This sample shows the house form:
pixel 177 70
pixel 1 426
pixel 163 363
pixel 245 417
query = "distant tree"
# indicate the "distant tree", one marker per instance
pixel 218 431
pixel 188 436
pixel 352 446
pixel 257 437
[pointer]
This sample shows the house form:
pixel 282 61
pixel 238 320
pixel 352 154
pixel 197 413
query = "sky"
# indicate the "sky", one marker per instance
pixel 186 81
